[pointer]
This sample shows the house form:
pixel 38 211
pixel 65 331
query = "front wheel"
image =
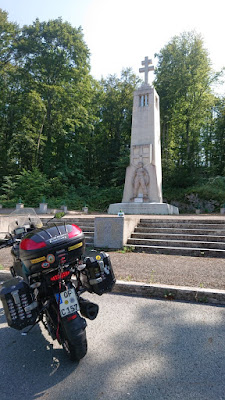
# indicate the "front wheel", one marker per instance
pixel 76 348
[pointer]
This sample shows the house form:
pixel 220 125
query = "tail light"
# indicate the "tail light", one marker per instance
pixel 74 231
pixel 71 317
pixel 60 276
pixel 29 244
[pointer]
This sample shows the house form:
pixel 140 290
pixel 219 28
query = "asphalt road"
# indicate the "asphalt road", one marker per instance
pixel 138 349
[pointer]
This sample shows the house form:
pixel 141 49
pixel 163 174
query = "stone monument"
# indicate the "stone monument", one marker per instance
pixel 143 181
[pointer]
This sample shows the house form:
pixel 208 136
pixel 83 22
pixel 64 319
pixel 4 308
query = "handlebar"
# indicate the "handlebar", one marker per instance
pixel 6 242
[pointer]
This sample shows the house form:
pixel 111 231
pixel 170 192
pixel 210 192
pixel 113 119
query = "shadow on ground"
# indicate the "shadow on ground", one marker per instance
pixel 138 349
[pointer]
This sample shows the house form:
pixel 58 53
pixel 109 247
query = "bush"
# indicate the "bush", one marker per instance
pixel 31 187
pixel 8 203
pixel 57 188
pixel 209 196
pixel 95 198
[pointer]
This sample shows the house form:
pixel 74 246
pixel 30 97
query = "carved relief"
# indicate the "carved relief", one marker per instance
pixel 140 181
pixel 141 153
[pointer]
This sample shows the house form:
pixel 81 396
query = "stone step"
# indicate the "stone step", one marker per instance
pixel 184 221
pixel 88 236
pixel 86 228
pixel 177 236
pixel 72 220
pixel 197 237
pixel 84 221
pixel 179 225
pixel 211 232
pixel 180 251
pixel 89 242
pixel 85 225
pixel 176 243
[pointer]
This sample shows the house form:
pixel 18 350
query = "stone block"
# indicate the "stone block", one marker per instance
pixel 43 208
pixel 113 232
pixel 19 206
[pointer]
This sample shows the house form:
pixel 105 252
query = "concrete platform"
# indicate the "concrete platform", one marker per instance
pixel 143 209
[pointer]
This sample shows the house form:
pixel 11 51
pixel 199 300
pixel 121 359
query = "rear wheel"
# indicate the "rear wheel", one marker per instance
pixel 76 348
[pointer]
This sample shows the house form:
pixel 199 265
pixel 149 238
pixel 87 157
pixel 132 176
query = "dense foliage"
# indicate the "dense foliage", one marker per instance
pixel 65 136
pixel 183 81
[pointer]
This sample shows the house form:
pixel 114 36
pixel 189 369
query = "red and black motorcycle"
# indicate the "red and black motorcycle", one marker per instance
pixel 49 274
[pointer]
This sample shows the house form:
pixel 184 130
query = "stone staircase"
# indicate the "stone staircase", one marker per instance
pixel 187 237
pixel 88 227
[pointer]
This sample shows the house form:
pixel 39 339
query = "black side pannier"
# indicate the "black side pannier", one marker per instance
pixel 18 303
pixel 98 275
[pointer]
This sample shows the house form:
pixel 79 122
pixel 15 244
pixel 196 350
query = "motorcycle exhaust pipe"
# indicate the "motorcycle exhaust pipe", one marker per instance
pixel 88 310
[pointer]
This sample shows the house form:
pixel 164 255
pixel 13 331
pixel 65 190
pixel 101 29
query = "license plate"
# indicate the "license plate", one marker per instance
pixel 68 303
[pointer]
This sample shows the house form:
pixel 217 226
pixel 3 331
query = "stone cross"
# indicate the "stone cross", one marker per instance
pixel 146 68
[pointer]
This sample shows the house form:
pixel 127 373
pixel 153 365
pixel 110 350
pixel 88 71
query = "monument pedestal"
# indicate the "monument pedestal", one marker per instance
pixel 143 208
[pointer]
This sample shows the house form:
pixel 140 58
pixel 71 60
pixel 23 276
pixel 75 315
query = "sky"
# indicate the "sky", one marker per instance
pixel 120 33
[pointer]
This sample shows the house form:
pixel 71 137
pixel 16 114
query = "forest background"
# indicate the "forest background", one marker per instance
pixel 65 137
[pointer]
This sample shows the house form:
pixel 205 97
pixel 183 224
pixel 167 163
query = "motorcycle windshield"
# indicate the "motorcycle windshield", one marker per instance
pixel 24 217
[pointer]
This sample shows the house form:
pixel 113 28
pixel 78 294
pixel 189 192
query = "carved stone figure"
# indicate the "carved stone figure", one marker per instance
pixel 140 180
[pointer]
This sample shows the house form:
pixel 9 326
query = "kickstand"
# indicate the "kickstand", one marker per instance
pixel 26 333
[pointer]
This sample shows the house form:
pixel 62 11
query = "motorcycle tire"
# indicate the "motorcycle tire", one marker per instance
pixel 75 349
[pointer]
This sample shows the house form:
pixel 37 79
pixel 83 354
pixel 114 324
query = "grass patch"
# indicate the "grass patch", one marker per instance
pixel 126 250
pixel 127 278
pixel 152 277
pixel 1 266
pixel 59 215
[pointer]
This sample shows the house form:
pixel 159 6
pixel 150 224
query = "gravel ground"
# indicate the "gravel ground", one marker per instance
pixel 169 269
pixel 159 268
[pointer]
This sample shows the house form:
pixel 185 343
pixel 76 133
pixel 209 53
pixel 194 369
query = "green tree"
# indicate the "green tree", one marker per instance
pixel 8 35
pixel 55 63
pixel 218 138
pixel 112 133
pixel 8 188
pixel 183 81
pixel 8 84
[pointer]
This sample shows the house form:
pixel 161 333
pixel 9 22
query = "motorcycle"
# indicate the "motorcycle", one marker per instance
pixel 50 272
